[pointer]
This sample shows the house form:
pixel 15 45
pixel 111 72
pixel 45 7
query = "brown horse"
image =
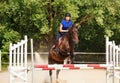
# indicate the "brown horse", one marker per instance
pixel 65 48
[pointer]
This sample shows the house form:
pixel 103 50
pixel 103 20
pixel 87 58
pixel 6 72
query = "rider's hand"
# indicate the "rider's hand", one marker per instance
pixel 67 30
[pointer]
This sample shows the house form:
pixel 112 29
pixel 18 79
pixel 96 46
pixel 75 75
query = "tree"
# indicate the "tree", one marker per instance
pixel 103 21
pixel 39 19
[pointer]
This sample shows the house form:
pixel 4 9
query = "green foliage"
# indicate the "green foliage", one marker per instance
pixel 7 36
pixel 104 21
pixel 40 20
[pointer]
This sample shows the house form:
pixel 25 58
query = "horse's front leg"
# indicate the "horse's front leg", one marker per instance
pixel 71 57
pixel 68 60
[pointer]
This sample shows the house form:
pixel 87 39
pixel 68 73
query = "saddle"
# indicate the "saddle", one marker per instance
pixel 56 48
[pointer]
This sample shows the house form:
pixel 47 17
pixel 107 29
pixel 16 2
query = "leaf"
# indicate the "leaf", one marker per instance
pixel 99 20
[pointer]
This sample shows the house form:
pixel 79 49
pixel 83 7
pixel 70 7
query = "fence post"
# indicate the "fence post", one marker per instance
pixel 107 59
pixel 0 61
pixel 32 60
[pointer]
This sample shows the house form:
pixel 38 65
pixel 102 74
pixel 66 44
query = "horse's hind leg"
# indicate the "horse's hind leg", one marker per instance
pixel 57 73
pixel 50 73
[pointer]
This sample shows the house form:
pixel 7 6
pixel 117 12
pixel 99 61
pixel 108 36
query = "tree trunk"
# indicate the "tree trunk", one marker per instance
pixel 51 19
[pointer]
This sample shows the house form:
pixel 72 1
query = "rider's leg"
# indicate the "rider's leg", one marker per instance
pixel 57 41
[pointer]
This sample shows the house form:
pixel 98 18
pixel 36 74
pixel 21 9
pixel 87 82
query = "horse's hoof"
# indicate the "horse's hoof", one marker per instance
pixel 55 81
pixel 60 81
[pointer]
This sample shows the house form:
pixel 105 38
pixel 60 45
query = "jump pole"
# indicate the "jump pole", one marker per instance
pixel 108 57
pixel 32 60
pixel 70 66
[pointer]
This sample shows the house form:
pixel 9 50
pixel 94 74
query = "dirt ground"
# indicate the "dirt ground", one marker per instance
pixel 73 76
pixel 4 77
pixel 65 76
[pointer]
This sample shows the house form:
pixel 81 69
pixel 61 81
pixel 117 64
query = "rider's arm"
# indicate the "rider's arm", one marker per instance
pixel 61 30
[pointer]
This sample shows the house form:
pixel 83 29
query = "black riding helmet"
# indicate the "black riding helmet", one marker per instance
pixel 67 15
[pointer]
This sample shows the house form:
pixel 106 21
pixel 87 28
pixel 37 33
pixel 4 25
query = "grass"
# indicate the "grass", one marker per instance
pixel 4 68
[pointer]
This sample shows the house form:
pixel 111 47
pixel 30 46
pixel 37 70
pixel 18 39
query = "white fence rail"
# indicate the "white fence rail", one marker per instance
pixel 112 58
pixel 18 61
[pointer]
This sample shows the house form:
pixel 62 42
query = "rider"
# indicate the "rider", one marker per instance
pixel 64 25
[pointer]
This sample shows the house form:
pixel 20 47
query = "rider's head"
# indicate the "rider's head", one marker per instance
pixel 67 16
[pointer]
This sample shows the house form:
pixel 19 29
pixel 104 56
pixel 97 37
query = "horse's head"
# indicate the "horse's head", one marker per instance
pixel 73 32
